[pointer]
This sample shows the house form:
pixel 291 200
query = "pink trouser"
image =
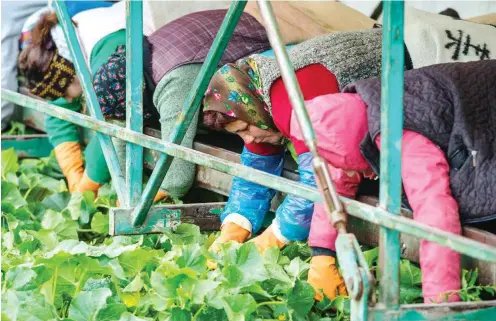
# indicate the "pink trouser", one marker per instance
pixel 425 174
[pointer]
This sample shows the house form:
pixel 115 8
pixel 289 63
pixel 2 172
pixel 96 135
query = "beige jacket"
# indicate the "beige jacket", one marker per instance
pixel 301 20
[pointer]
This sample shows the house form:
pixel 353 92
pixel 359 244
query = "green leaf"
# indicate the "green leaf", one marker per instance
pixel 64 227
pixel 87 304
pixel 192 257
pixel 410 275
pixel 100 223
pixel 186 234
pixel 134 261
pixel 410 295
pixel 57 202
pixel 126 316
pixel 297 268
pixel 135 285
pixel 9 162
pixel 249 261
pixel 11 195
pixel 371 256
pixel 297 249
pixel 20 278
pixel 82 206
pixel 239 307
pixel 300 297
pixel 201 288
pixel 178 314
pixel 111 312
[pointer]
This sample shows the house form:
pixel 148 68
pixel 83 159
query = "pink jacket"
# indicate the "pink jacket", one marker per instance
pixel 340 123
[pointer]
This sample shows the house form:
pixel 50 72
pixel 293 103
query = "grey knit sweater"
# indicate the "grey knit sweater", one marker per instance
pixel 350 56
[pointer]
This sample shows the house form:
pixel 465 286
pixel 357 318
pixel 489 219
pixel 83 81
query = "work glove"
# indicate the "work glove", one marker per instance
pixel 70 158
pixel 87 184
pixel 324 277
pixel 268 239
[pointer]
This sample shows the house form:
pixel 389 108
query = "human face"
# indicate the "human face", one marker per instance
pixel 74 90
pixel 252 134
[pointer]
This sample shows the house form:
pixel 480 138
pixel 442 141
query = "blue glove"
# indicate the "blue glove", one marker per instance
pixel 295 213
pixel 249 199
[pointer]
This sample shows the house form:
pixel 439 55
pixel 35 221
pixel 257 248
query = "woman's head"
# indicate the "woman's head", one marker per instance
pixel 234 103
pixel 48 75
pixel 250 134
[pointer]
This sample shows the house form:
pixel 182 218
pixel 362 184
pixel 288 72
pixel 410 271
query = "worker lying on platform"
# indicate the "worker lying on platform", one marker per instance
pixel 47 65
pixel 251 92
pixel 172 60
pixel 445 144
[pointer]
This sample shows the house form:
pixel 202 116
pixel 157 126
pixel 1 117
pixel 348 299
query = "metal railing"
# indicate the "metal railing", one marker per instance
pixel 137 217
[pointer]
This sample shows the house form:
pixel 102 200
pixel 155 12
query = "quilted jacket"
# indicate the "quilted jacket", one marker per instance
pixel 188 40
pixel 453 105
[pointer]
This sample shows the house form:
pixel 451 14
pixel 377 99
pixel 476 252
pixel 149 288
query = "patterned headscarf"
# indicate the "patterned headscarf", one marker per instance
pixel 235 91
pixel 56 80
pixel 109 83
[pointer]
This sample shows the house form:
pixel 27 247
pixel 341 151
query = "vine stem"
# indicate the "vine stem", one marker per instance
pixel 199 311
pixel 269 303
pixel 79 283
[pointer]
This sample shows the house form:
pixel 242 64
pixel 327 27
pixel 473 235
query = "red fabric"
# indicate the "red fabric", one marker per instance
pixel 315 80
pixel 425 174
pixel 264 149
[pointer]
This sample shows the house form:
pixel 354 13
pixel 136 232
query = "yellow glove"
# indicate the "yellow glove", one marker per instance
pixel 69 156
pixel 324 275
pixel 266 240
pixel 229 232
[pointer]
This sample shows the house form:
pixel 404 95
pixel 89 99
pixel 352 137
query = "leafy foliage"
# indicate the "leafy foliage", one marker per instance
pixel 58 263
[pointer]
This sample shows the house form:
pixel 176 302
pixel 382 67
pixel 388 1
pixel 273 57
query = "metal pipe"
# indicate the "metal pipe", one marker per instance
pixel 391 133
pixel 366 212
pixel 134 97
pixel 333 206
pixel 191 107
pixel 92 102
pixel 288 75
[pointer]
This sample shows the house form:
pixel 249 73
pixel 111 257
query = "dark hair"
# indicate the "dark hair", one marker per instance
pixel 216 120
pixel 35 59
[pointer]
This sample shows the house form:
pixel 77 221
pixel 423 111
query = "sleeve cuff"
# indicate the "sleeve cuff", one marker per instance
pixel 238 219
pixel 276 229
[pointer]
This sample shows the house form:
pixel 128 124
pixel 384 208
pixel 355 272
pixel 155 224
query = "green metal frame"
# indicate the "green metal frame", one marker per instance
pixel 136 216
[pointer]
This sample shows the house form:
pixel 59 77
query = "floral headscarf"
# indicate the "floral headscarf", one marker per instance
pixel 110 86
pixel 235 91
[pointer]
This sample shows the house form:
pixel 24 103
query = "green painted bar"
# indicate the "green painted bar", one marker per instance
pixel 366 212
pixel 134 97
pixel 91 100
pixel 391 133
pixel 191 106
pixel 28 146
pixel 460 311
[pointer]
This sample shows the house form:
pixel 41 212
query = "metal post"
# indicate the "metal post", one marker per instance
pixel 93 106
pixel 190 107
pixel 363 211
pixel 391 133
pixel 134 97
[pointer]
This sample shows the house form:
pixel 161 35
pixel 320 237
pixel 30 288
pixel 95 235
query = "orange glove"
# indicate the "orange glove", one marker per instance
pixel 87 184
pixel 229 232
pixel 324 275
pixel 266 240
pixel 69 156
pixel 160 196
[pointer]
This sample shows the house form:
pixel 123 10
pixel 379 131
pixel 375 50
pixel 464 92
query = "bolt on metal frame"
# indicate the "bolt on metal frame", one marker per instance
pixel 133 217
